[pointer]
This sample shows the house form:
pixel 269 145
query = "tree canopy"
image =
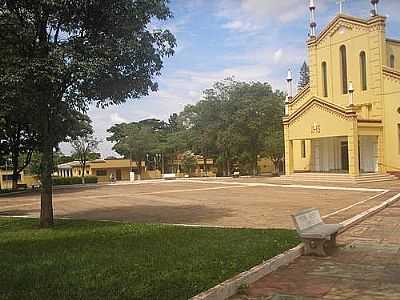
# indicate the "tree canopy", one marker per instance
pixel 59 57
pixel 304 76
pixel 83 149
pixel 235 123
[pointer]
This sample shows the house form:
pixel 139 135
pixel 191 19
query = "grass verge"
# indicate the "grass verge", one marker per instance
pixel 104 260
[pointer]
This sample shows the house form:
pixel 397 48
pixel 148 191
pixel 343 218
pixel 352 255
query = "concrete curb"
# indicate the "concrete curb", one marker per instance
pixel 368 213
pixel 230 287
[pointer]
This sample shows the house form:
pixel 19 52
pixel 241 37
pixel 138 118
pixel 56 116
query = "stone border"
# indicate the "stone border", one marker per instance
pixel 368 213
pixel 230 287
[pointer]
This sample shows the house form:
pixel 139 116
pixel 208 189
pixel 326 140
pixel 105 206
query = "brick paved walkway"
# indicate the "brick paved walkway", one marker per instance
pixel 365 266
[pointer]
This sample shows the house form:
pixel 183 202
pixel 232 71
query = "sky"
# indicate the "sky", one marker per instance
pixel 251 40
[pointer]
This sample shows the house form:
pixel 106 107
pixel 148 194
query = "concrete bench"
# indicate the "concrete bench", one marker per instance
pixel 236 174
pixel 316 235
pixel 169 176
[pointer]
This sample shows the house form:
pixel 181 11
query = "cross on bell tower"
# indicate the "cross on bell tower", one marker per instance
pixel 340 2
pixel 374 11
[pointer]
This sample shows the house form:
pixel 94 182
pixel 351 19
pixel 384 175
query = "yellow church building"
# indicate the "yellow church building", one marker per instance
pixel 347 119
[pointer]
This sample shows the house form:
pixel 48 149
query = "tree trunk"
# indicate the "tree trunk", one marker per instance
pixel 255 165
pixel 46 164
pixel 83 172
pixel 15 158
pixel 276 162
pixel 162 164
pixel 228 166
pixel 139 167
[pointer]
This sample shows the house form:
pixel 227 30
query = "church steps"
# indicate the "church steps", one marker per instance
pixel 339 178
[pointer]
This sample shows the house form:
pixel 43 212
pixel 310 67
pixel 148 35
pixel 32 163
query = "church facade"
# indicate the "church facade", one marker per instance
pixel 347 119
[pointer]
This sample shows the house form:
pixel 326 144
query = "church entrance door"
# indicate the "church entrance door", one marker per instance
pixel 330 155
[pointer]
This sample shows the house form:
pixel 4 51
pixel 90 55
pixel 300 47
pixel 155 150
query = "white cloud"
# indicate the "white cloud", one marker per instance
pixel 281 57
pixel 116 118
pixel 251 15
pixel 241 26
pixel 256 15
pixel 278 55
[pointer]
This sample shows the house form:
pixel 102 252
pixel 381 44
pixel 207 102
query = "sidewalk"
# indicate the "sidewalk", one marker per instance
pixel 366 266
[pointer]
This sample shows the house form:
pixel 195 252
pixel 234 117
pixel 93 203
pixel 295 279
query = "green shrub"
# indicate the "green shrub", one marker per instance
pixel 90 179
pixel 73 180
pixel 6 191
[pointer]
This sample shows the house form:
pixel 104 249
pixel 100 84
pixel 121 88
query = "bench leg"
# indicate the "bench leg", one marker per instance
pixel 314 247
pixel 332 241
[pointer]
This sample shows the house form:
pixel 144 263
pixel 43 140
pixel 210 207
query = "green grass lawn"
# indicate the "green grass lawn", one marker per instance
pixel 104 260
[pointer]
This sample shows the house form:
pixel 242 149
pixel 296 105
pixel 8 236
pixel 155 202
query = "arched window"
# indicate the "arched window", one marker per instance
pixel 343 68
pixel 363 71
pixel 324 80
pixel 391 61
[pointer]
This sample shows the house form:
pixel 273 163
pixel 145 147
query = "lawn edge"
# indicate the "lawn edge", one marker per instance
pixel 230 286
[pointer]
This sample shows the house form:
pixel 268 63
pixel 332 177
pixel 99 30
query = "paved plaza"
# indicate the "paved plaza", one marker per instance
pixel 244 202
pixel 365 266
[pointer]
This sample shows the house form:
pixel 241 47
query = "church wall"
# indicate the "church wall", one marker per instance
pixel 393 48
pixel 302 164
pixel 328 124
pixel 299 101
pixel 391 124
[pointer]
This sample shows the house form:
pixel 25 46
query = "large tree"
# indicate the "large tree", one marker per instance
pixel 235 122
pixel 66 55
pixel 135 140
pixel 83 149
pixel 17 140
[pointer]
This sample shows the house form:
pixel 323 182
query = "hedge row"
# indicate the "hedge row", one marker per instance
pixel 73 180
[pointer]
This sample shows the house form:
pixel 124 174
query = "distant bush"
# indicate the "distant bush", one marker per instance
pixel 6 191
pixel 73 180
pixel 90 179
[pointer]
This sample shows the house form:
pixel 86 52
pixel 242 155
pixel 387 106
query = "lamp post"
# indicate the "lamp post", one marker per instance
pixel 289 88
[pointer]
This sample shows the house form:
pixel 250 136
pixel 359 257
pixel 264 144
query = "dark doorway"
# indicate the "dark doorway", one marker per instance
pixel 344 148
pixel 119 177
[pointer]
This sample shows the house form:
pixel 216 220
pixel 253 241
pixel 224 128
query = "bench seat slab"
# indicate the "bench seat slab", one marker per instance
pixel 320 231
